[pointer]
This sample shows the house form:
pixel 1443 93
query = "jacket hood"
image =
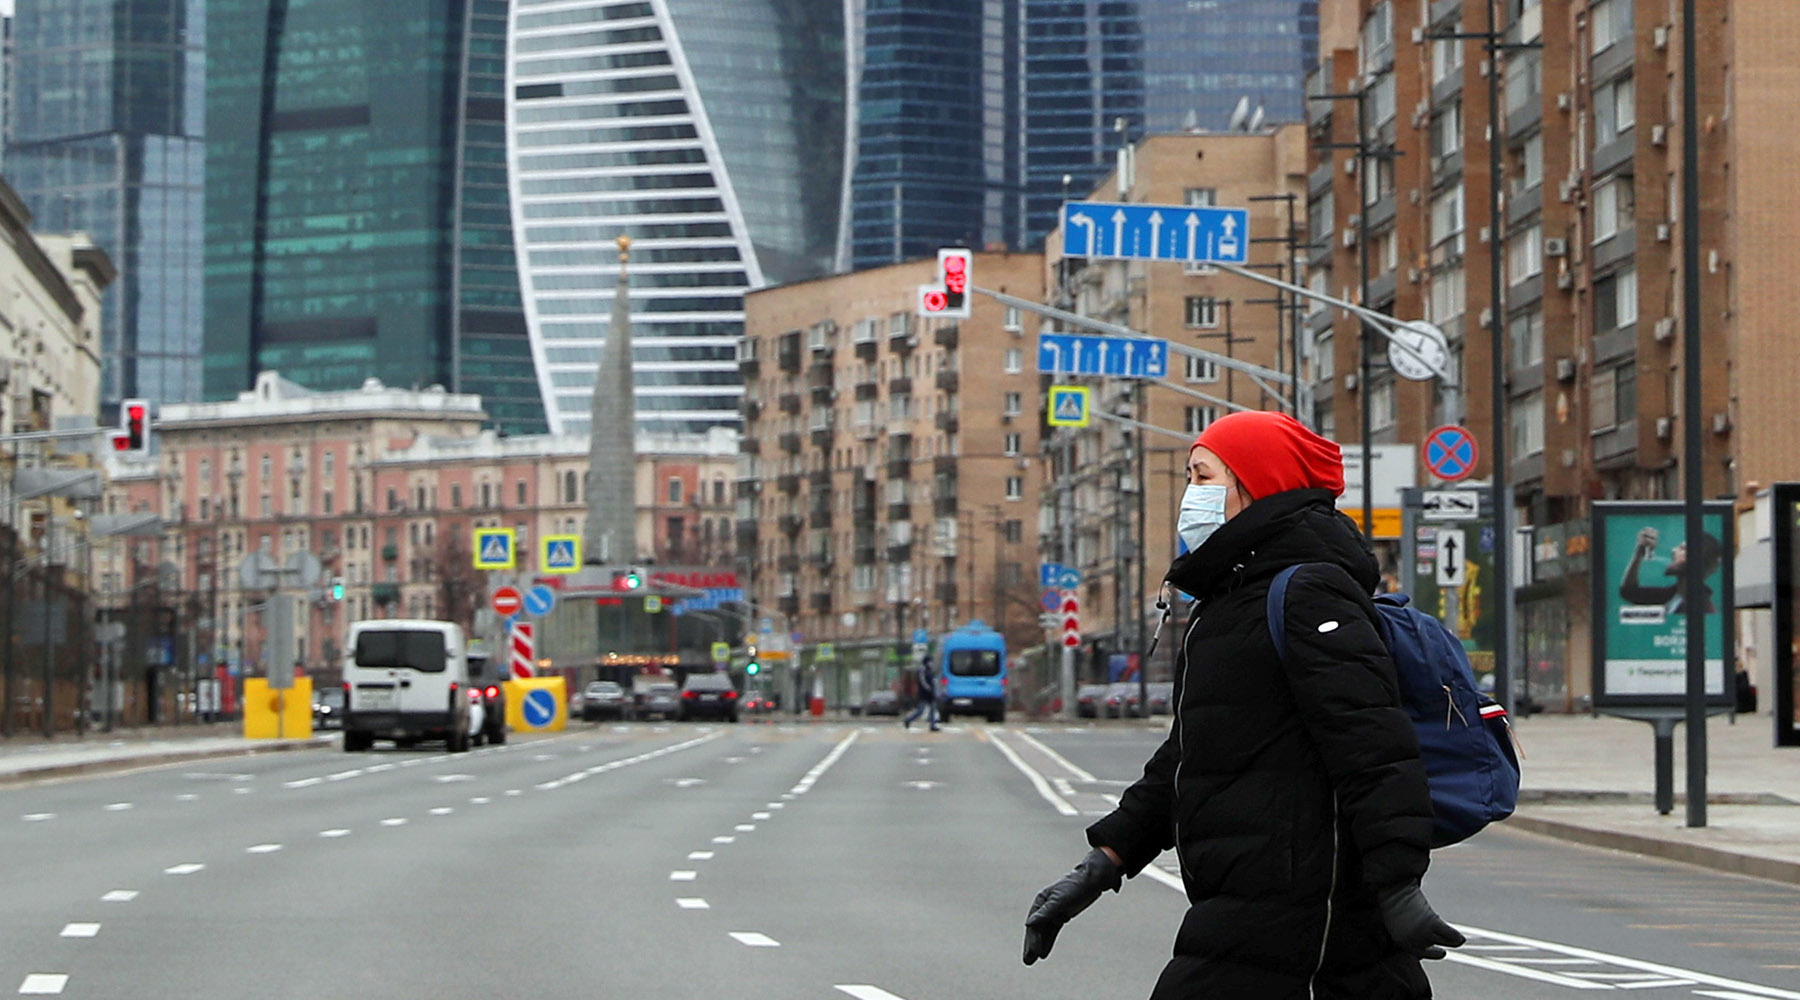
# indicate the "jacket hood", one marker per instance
pixel 1277 531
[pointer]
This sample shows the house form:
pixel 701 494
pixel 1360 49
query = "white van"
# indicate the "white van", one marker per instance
pixel 406 680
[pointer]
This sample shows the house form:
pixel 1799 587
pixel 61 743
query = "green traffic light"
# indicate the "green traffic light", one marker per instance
pixel 337 592
pixel 753 668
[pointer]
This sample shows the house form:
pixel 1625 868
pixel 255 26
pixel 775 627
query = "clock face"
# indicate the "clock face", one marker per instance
pixel 1417 351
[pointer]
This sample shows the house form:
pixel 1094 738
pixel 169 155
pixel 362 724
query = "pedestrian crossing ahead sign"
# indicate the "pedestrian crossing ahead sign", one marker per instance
pixel 559 553
pixel 494 549
pixel 1068 406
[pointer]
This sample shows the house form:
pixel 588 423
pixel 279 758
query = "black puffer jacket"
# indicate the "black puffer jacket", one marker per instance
pixel 1290 791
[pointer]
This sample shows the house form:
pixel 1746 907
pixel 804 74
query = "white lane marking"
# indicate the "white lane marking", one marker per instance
pixel 37 817
pixel 119 896
pixel 1063 787
pixel 378 768
pixel 685 782
pixel 923 786
pixel 1553 961
pixel 755 940
pixel 692 903
pixel 760 815
pixel 734 760
pixel 80 930
pixel 446 778
pixel 683 875
pixel 355 772
pixel 480 800
pixel 186 797
pixel 263 849
pixel 1077 773
pixel 650 755
pixel 1728 995
pixel 862 992
pixel 303 783
pixel 43 983
pixel 1158 875
pixel 724 840
pixel 744 827
pixel 119 807
pixel 414 762
pixel 394 821
pixel 789 796
pixel 1037 780
pixel 514 791
pixel 777 805
pixel 337 832
pixel 1524 972
pixel 186 869
pixel 1703 978
pixel 442 811
pixel 544 756
pixel 241 791
pixel 818 770
pixel 700 855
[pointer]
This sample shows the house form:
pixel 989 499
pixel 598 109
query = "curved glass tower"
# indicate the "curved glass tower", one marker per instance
pixel 711 134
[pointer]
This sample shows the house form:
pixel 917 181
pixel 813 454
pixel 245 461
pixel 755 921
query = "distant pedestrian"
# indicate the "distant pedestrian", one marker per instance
pixel 927 702
pixel 1290 787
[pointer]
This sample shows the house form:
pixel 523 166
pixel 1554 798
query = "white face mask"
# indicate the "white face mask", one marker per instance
pixel 1202 511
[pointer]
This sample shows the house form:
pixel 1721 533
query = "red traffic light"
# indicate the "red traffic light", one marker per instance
pixel 934 300
pixel 134 423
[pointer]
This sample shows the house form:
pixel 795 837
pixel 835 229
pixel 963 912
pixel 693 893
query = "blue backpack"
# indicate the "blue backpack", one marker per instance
pixel 1464 736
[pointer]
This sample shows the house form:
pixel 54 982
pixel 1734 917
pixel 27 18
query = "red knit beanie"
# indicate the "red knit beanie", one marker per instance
pixel 1272 453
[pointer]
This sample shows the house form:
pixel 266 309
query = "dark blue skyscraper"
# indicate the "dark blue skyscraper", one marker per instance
pixel 1152 66
pixel 937 145
pixel 106 135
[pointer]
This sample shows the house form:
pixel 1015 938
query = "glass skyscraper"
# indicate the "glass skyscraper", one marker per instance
pixel 937 144
pixel 710 133
pixel 105 134
pixel 1155 66
pixel 357 215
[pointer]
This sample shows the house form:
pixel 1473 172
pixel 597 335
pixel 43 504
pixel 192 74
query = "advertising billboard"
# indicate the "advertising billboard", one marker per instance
pixel 1786 501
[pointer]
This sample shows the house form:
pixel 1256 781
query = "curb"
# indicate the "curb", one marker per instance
pixel 114 764
pixel 1714 858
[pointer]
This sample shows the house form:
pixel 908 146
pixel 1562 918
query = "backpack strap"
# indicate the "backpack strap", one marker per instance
pixel 1277 609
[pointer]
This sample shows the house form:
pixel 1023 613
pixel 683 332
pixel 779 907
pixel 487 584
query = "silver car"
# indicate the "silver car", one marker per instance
pixel 660 700
pixel 604 700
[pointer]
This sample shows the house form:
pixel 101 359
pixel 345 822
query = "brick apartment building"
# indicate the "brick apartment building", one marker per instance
pixel 890 477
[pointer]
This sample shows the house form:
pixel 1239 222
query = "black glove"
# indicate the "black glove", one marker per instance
pixel 1413 924
pixel 1066 897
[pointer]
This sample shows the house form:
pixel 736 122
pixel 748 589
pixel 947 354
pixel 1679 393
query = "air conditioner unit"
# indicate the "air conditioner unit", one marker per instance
pixel 1349 237
pixel 1418 36
pixel 1665 428
pixel 1350 382
pixel 1556 246
pixel 1487 317
pixel 1565 191
pixel 1565 280
pixel 1568 458
pixel 1414 276
pixel 1721 423
pixel 1659 37
pixel 1659 135
pixel 1565 369
pixel 1437 163
pixel 1562 101
pixel 1665 329
pixel 1413 196
pixel 1485 235
pixel 1662 232
pixel 1350 165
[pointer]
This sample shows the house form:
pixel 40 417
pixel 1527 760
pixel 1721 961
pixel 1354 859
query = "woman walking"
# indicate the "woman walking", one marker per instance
pixel 1291 789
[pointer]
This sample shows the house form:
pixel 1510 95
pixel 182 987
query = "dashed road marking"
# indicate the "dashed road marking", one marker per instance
pixel 760 815
pixel 692 903
pixel 700 855
pixel 683 875
pixel 80 930
pixel 118 807
pixel 480 800
pixel 754 940
pixel 241 791
pixel 37 817
pixel 43 983
pixel 303 783
pixel 514 792
pixel 442 811
pixel 186 797
pixel 394 821
pixel 262 849
pixel 724 840
pixel 868 992
pixel 185 869
pixel 744 827
pixel 334 833
pixel 777 805
pixel 119 896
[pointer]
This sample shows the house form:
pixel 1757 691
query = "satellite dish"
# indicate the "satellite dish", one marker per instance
pixel 1239 115
pixel 1256 120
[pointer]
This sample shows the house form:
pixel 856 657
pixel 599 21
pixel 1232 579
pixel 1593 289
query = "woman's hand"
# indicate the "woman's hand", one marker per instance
pixel 1068 896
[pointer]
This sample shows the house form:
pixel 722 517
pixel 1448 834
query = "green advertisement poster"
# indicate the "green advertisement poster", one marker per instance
pixel 1640 577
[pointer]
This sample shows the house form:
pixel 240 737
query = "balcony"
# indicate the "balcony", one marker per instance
pixel 863 555
pixel 821 559
pixel 821 602
pixel 788 563
pixel 947 421
pixel 753 409
pixel 749 445
pixel 944 506
pixel 749 367
pixel 789 483
pixel 789 604
pixel 790 402
pixel 747 535
pixel 790 443
pixel 385 594
pixel 790 524
pixel 820 517
pixel 821 436
pixel 823 395
pixel 901 386
pixel 900 511
pixel 900 333
pixel 948 380
pixel 900 553
pixel 789 361
pixel 868 390
pixel 944 593
pixel 867 349
pixel 946 335
pixel 819 477
pixel 944 465
pixel 899 468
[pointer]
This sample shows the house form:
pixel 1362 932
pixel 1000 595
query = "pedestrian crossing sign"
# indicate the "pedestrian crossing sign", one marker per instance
pixel 494 549
pixel 1068 406
pixel 559 553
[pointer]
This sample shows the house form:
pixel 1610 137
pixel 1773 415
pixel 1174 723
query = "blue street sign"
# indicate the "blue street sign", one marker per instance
pixel 1082 354
pixel 920 635
pixel 540 599
pixel 1197 234
pixel 1070 578
pixel 539 708
pixel 1049 573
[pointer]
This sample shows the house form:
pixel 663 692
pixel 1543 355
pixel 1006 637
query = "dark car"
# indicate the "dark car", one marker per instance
pixel 603 700
pixel 1088 698
pixel 709 696
pixel 756 703
pixel 882 703
pixel 328 708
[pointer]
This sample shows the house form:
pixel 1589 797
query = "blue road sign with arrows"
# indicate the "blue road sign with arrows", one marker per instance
pixel 1083 354
pixel 539 708
pixel 1195 234
pixel 540 599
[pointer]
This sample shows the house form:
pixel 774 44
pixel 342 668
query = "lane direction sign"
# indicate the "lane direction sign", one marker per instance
pixel 539 600
pixel 1450 453
pixel 1189 233
pixel 1085 354
pixel 1453 557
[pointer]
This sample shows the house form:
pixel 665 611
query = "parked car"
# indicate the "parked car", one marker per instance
pixel 709 696
pixel 1087 700
pixel 882 703
pixel 1162 696
pixel 663 701
pixel 1121 700
pixel 756 703
pixel 603 700
pixel 328 708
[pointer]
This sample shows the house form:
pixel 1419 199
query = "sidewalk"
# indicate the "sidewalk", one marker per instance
pixel 30 758
pixel 1593 780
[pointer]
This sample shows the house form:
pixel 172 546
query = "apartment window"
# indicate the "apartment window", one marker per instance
pixel 1449 295
pixel 1010 321
pixel 1615 110
pixel 456 496
pixel 1377 180
pixel 1446 58
pixel 1446 131
pixel 1195 419
pixel 1609 23
pixel 1531 165
pixel 1377 37
pixel 1014 404
pixel 328 462
pixel 325 503
pixel 1015 488
pixel 1200 197
pixel 900 408
pixel 519 492
pixel 265 505
pixel 1324 357
pixel 1447 224
pixel 568 486
pixel 1625 392
pixel 1603 412
pixel 674 490
pixel 1527 419
pixel 1202 370
pixel 1381 101
pixel 1202 312
pixel 1321 216
pixel 487 495
pixel 393 497
pixel 1010 444
pixel 1014 531
pixel 1615 300
pixel 1524 80
pixel 418 498
pixel 1525 254
pixel 1381 405
pixel 1014 361
pixel 1525 340
pixel 718 491
pixel 1615 207
pixel 268 468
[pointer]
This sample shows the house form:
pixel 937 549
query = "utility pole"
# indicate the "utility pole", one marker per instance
pixel 1693 473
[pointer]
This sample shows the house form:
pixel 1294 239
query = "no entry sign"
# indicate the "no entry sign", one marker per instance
pixel 507 600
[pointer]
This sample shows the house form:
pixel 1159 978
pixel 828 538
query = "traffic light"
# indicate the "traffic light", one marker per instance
pixel 753 667
pixel 631 579
pixel 337 588
pixel 133 437
pixel 949 297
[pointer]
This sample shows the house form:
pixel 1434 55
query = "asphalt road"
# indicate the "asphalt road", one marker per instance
pixel 755 861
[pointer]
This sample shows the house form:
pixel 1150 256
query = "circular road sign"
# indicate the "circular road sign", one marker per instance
pixel 539 600
pixel 539 708
pixel 1417 350
pixel 507 600
pixel 1450 453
